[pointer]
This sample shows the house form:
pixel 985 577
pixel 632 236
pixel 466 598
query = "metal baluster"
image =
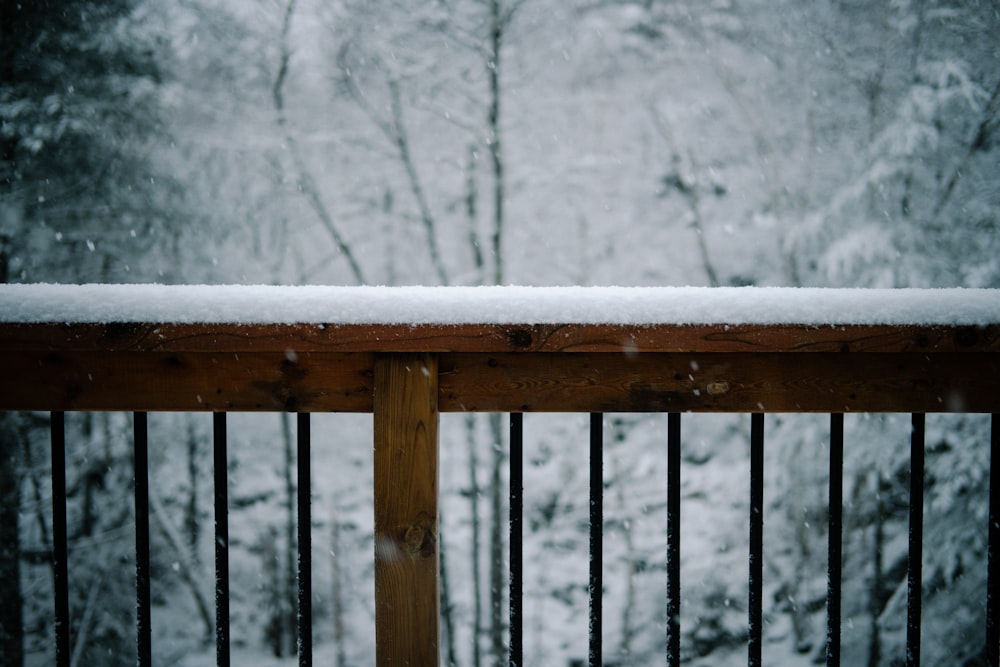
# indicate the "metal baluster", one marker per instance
pixel 993 551
pixel 596 534
pixel 304 493
pixel 143 628
pixel 915 562
pixel 516 536
pixel 60 546
pixel 835 551
pixel 673 539
pixel 221 540
pixel 756 538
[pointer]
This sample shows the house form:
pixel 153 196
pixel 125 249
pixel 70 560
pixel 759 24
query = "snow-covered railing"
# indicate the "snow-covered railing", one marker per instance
pixel 406 354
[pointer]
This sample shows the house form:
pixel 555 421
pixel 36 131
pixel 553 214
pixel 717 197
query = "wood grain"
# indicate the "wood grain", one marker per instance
pixel 186 381
pixel 552 382
pixel 139 337
pixel 314 368
pixel 721 382
pixel 407 605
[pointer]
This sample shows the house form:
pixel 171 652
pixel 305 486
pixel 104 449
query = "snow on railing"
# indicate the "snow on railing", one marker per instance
pixel 264 304
pixel 405 354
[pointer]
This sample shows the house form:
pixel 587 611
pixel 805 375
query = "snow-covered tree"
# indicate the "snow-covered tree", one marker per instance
pixel 81 199
pixel 839 142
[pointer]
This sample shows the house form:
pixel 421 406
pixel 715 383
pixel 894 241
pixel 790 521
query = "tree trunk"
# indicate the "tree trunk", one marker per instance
pixel 472 214
pixel 620 482
pixel 447 615
pixel 497 643
pixel 795 505
pixel 497 26
pixel 477 590
pixel 336 591
pixel 876 591
pixel 271 573
pixel 186 569
pixel 493 127
pixel 191 518
pixel 401 138
pixel 307 186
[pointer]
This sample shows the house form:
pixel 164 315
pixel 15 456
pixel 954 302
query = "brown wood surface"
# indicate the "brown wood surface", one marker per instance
pixel 407 605
pixel 137 337
pixel 721 382
pixel 313 368
pixel 580 382
pixel 186 381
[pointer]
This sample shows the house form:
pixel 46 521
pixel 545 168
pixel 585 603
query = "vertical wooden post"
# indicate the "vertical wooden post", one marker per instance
pixel 407 607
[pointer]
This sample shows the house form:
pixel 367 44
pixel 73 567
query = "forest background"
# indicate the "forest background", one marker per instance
pixel 535 142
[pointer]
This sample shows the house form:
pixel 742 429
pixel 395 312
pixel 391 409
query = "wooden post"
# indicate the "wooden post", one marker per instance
pixel 406 510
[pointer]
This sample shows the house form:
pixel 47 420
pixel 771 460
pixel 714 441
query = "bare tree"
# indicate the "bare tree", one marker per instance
pixel 498 24
pixel 306 182
pixel 682 179
pixel 476 28
pixel 186 568
pixel 337 589
pixel 395 131
pixel 288 583
pixel 978 143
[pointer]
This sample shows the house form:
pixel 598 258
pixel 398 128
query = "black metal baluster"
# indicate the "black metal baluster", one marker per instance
pixel 221 540
pixel 516 536
pixel 756 538
pixel 596 534
pixel 304 493
pixel 835 551
pixel 915 558
pixel 143 628
pixel 993 551
pixel 673 539
pixel 60 546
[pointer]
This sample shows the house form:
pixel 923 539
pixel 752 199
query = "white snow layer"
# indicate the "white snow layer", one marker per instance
pixel 495 305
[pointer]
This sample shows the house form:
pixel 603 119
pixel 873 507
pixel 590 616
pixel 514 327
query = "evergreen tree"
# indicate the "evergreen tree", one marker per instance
pixel 78 199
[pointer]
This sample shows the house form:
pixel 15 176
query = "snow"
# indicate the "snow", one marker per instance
pixel 495 305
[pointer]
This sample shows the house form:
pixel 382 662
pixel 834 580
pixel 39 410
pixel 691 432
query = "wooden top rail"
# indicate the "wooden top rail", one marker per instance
pixel 496 338
pixel 578 367
pixel 585 368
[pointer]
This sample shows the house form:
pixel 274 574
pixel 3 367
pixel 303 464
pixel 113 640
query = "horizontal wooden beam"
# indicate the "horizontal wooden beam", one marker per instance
pixel 543 382
pixel 186 381
pixel 495 338
pixel 721 382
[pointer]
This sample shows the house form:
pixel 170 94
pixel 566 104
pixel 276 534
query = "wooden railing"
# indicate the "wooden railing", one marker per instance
pixel 406 373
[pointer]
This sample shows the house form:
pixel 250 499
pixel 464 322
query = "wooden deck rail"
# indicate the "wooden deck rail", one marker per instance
pixel 406 374
pixel 504 368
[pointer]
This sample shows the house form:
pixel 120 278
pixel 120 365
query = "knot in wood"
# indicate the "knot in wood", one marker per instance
pixel 419 540
pixel 717 388
pixel 413 538
pixel 967 337
pixel 520 338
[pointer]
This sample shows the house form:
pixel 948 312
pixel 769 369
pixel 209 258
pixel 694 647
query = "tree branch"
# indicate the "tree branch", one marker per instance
pixel 403 146
pixel 305 181
pixel 184 570
pixel 977 143
pixel 688 188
